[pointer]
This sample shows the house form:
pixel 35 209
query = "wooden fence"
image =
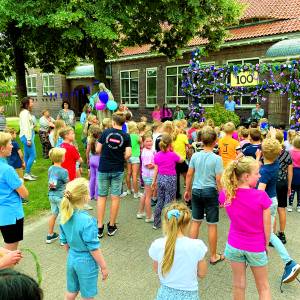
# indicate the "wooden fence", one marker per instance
pixel 12 109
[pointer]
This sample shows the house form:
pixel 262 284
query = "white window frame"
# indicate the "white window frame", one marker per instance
pixel 29 78
pixel 166 86
pixel 151 104
pixel 241 97
pixel 48 91
pixel 129 98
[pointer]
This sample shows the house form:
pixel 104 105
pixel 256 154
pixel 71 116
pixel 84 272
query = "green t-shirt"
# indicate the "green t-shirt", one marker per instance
pixel 135 145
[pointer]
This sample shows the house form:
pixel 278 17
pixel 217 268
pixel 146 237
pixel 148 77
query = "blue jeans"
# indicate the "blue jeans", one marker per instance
pixel 276 242
pixel 29 152
pixel 112 180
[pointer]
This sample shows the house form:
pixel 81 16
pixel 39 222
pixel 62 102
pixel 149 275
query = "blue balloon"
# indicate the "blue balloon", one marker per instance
pixel 103 96
pixel 112 105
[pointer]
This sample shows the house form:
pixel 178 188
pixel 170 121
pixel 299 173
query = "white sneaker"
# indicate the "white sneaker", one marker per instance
pixel 290 208
pixel 298 209
pixel 124 194
pixel 140 215
pixel 149 220
pixel 87 207
pixel 33 176
pixel 29 177
pixel 137 195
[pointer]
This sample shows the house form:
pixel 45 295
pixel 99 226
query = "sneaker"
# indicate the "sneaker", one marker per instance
pixel 140 215
pixel 33 176
pixel 149 220
pixel 51 238
pixel 291 271
pixel 298 209
pixel 100 232
pixel 29 177
pixel 155 227
pixel 124 194
pixel 111 229
pixel 137 195
pixel 153 202
pixel 87 207
pixel 290 208
pixel 282 237
pixel 25 201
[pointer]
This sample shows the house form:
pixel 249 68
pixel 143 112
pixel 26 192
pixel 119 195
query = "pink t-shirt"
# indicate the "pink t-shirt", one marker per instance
pixel 246 219
pixel 295 155
pixel 147 158
pixel 166 162
pixel 156 115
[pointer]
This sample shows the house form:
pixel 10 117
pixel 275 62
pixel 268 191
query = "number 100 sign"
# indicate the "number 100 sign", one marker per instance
pixel 244 79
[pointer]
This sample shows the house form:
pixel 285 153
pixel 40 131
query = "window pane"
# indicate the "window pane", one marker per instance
pixel 134 101
pixel 237 62
pixel 251 61
pixel 172 71
pixel 180 69
pixel 171 100
pixel 134 74
pixel 33 81
pixel 45 80
pixel 183 100
pixel 51 81
pixel 124 74
pixel 208 100
pixel 171 86
pixel 151 100
pixel 134 88
pixel 125 87
pixel 246 100
pixel 151 86
pixel 151 72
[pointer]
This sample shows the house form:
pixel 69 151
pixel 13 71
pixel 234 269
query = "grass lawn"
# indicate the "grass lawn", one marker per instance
pixel 38 190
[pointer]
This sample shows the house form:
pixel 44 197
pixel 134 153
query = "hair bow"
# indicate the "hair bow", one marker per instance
pixel 173 213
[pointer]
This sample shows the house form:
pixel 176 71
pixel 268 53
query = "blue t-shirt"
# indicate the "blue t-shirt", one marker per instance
pixel 268 176
pixel 80 233
pixel 11 208
pixel 57 179
pixel 206 165
pixel 14 159
pixel 230 105
pixel 251 149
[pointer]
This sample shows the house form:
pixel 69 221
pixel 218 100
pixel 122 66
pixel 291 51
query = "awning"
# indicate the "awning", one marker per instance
pixel 285 48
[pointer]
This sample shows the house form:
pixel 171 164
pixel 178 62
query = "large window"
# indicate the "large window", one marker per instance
pixel 244 100
pixel 48 84
pixel 174 95
pixel 130 87
pixel 151 86
pixel 31 85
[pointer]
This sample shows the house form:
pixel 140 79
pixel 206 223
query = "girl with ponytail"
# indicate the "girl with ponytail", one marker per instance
pixel 177 259
pixel 78 233
pixel 250 225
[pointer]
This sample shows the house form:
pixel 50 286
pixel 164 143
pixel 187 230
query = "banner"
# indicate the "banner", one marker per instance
pixel 244 79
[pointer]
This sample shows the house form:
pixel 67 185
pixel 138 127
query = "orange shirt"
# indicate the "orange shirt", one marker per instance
pixel 228 148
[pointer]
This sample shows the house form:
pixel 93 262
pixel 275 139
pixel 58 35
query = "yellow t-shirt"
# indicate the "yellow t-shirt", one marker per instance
pixel 179 145
pixel 228 149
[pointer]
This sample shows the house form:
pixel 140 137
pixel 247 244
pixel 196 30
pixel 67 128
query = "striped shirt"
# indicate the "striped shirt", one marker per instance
pixel 2 122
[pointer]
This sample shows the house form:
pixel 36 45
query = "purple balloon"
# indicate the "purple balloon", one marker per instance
pixel 100 105
pixel 103 96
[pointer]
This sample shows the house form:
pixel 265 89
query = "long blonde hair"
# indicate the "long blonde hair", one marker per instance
pixel 75 196
pixel 165 142
pixel 176 219
pixel 58 125
pixel 233 173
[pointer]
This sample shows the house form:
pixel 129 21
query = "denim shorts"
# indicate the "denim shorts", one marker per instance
pixel 147 180
pixel 55 204
pixel 165 292
pixel 205 201
pixel 274 206
pixel 114 180
pixel 254 259
pixel 82 275
pixel 134 160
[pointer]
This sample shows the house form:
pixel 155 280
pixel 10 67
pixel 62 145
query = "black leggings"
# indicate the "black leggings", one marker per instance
pixel 295 189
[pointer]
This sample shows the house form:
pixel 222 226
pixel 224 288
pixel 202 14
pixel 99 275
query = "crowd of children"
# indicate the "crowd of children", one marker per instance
pixel 252 172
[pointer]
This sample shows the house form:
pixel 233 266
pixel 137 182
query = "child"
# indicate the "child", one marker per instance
pixel 244 138
pixel 72 155
pixel 78 233
pixel 106 123
pixel 267 182
pixel 289 142
pixel 54 138
pixel 228 147
pixel 250 225
pixel 147 173
pixel 156 129
pixel 255 144
pixel 16 159
pixel 164 176
pixel 206 167
pixel 57 180
pixel 295 154
pixel 91 120
pixel 177 259
pixel 133 164
pixel 93 159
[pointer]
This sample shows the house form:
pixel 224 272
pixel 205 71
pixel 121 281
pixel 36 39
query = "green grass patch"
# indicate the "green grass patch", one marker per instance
pixel 38 190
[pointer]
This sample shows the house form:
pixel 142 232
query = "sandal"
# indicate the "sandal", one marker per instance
pixel 218 260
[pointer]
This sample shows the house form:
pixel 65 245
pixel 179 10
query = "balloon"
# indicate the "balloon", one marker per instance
pixel 100 106
pixel 112 105
pixel 103 96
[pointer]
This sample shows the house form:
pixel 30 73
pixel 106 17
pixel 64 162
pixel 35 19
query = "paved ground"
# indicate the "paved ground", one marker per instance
pixel 131 276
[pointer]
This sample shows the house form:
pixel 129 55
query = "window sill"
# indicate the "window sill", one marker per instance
pixel 32 94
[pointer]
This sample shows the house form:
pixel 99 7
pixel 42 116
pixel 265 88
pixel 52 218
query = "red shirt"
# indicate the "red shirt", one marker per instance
pixel 72 155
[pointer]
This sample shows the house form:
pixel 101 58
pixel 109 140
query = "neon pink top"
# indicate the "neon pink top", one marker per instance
pixel 295 154
pixel 166 162
pixel 245 212
pixel 156 115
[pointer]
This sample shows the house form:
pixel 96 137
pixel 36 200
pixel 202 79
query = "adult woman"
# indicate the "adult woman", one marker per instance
pixel 257 113
pixel 12 190
pixel 156 113
pixel 46 124
pixel 166 113
pixel 178 114
pixel 27 135
pixel 102 114
pixel 66 114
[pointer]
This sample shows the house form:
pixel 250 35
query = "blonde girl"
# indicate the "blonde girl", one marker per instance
pixel 106 123
pixel 91 120
pixel 133 164
pixel 93 159
pixel 54 138
pixel 250 225
pixel 78 233
pixel 288 144
pixel 168 127
pixel 177 259
pixel 164 176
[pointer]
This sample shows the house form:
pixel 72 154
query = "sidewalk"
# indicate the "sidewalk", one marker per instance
pixel 130 269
